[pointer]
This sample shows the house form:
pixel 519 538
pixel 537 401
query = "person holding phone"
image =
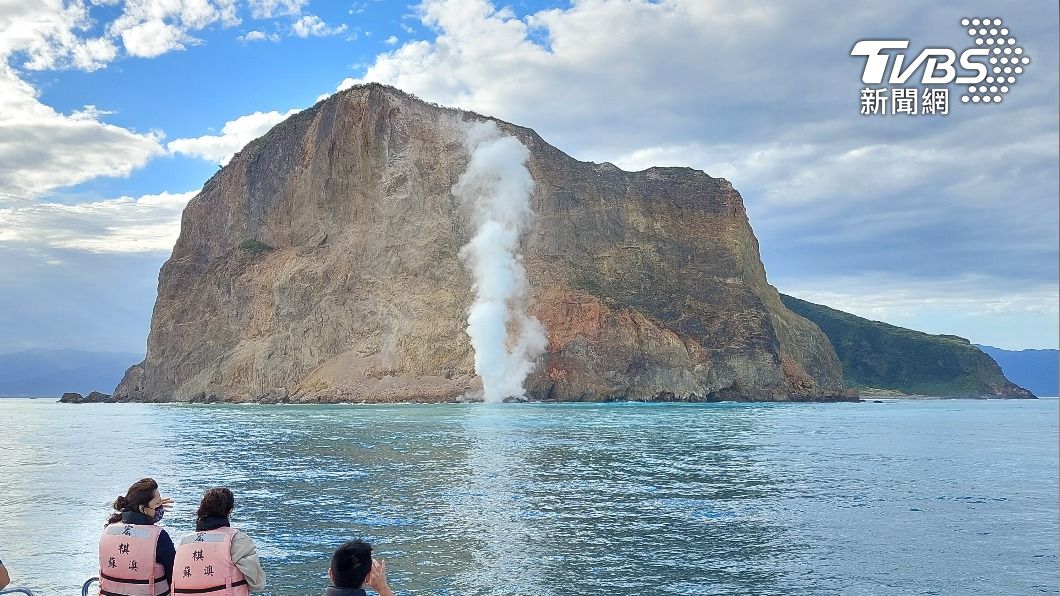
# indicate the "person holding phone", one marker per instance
pixel 353 569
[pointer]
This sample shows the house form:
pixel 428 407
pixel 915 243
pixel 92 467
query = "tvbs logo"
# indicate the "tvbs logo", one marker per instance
pixel 989 68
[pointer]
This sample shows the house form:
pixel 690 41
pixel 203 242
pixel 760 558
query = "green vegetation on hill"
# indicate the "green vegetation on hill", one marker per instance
pixel 876 355
pixel 254 246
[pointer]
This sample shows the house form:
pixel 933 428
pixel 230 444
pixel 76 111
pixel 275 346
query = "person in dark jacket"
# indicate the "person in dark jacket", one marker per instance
pixel 353 569
pixel 144 505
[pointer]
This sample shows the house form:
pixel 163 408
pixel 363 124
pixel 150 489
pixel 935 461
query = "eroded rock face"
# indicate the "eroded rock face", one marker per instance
pixel 321 265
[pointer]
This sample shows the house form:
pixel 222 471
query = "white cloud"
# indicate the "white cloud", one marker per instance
pixel 51 34
pixel 46 33
pixel 266 9
pixel 234 136
pixel 259 36
pixel 154 38
pixel 392 40
pixel 187 14
pixel 552 69
pixel 150 223
pixel 41 149
pixel 984 309
pixel 886 296
pixel 314 26
pixel 150 28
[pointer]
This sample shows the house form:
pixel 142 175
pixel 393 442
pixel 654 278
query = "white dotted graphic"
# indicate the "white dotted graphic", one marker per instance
pixel 988 32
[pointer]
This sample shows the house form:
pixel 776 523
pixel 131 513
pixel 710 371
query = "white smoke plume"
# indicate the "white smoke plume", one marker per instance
pixel 496 186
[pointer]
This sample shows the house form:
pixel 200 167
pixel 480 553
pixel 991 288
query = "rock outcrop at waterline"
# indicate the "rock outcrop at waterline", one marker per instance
pixel 321 264
pixel 95 397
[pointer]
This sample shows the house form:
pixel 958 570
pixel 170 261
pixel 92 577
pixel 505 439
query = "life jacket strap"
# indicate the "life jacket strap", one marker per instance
pixel 131 581
pixel 106 593
pixel 241 582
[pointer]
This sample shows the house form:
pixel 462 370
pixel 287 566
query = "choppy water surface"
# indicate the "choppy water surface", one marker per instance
pixel 912 497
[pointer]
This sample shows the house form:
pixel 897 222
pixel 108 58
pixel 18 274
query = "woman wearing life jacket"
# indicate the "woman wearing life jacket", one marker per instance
pixel 217 559
pixel 135 555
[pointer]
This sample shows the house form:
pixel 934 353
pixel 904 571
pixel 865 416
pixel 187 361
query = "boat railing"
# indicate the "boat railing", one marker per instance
pixel 28 592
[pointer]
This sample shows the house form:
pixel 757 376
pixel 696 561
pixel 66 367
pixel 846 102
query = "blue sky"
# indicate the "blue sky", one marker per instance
pixel 112 114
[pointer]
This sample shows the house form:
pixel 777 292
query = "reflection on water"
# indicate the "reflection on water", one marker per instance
pixel 921 497
pixel 489 508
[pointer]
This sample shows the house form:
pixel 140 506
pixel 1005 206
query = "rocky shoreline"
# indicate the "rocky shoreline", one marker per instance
pixel 282 397
pixel 94 397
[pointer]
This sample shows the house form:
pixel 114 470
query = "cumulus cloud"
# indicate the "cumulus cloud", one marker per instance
pixel 259 36
pixel 150 28
pixel 45 33
pixel 314 26
pixel 150 223
pixel 656 72
pixel 235 134
pixel 154 38
pixel 42 149
pixel 266 9
pixel 984 309
pixel 886 294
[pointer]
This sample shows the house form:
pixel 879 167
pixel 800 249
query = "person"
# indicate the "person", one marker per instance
pixel 217 557
pixel 5 579
pixel 135 555
pixel 353 568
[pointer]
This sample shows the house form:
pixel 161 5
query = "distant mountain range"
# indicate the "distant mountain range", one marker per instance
pixel 1037 370
pixel 45 372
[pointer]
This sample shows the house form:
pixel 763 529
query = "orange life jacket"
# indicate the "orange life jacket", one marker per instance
pixel 127 564
pixel 204 565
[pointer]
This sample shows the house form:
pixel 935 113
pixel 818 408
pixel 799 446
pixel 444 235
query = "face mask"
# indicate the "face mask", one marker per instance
pixel 159 512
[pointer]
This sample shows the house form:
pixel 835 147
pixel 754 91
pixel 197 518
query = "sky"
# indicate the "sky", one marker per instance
pixel 114 113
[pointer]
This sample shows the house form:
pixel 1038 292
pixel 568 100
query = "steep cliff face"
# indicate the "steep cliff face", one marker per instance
pixel 322 264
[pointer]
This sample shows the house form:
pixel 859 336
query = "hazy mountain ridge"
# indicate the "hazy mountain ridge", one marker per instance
pixel 1037 370
pixel 51 372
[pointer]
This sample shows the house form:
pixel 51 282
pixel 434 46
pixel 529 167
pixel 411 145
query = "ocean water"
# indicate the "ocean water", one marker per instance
pixel 903 497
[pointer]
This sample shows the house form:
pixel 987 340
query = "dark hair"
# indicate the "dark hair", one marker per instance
pixel 351 564
pixel 138 495
pixel 216 502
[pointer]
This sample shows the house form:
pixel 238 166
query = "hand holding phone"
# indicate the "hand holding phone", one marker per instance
pixel 377 578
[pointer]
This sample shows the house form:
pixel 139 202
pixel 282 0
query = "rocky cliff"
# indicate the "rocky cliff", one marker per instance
pixel 321 264
pixel 881 357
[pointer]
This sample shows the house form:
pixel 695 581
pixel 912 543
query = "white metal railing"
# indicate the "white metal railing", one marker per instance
pixel 28 592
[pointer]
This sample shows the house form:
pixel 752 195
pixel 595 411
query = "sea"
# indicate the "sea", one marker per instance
pixel 887 497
